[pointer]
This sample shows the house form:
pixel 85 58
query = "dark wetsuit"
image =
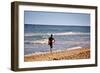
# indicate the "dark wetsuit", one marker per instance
pixel 51 42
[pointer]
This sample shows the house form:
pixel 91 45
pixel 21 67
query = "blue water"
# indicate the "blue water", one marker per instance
pixel 36 37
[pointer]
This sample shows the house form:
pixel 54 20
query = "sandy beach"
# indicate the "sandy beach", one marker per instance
pixel 79 53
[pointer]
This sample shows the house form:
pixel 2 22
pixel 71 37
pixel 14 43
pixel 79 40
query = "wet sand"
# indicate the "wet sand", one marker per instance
pixel 80 53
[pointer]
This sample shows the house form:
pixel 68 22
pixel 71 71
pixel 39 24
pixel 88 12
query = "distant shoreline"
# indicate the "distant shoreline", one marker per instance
pixel 78 53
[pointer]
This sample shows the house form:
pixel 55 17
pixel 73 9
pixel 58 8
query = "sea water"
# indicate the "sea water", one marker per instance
pixel 36 37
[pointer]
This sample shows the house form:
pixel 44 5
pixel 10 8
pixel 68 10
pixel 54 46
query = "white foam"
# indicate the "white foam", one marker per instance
pixel 62 33
pixel 71 33
pixel 37 53
pixel 74 48
pixel 43 41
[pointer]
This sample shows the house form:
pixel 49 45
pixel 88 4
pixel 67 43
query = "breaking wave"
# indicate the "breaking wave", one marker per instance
pixel 62 33
pixel 42 41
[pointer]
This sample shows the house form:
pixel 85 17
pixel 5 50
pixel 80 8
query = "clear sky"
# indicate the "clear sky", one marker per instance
pixel 56 18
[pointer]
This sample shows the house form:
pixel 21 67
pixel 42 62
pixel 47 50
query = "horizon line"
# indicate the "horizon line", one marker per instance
pixel 54 25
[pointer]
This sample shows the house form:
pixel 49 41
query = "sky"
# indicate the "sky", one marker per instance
pixel 56 18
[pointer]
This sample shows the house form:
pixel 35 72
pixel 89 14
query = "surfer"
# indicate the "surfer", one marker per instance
pixel 51 40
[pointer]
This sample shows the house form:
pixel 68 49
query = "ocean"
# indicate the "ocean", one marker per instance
pixel 66 37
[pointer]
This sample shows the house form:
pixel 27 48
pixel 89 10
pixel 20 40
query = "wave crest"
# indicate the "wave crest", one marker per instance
pixel 42 41
pixel 62 33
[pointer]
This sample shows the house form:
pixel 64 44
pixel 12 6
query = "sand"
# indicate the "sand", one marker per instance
pixel 80 53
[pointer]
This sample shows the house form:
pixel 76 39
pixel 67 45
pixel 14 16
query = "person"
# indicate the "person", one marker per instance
pixel 51 40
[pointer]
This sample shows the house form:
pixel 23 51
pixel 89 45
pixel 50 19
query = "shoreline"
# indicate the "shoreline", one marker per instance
pixel 78 53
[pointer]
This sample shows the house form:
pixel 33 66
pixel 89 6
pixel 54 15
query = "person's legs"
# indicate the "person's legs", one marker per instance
pixel 51 46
